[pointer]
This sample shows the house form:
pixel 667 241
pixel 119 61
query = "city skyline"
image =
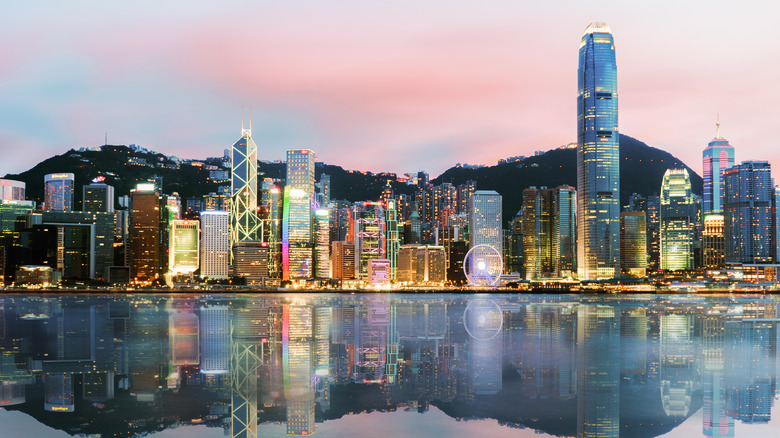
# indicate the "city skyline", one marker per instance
pixel 387 76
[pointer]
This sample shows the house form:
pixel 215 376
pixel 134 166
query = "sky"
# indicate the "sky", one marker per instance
pixel 395 86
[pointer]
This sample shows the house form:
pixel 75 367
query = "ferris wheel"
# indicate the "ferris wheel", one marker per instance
pixel 483 266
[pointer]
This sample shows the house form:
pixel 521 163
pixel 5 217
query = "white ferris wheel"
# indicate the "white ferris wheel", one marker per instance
pixel 483 266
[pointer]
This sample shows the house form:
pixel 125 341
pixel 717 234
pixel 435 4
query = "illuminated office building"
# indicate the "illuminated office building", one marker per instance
pixel 250 260
pixel 343 260
pixel 97 197
pixel 322 243
pixel 421 264
pixel 58 191
pixel 485 219
pixel 243 189
pixel 678 214
pixel 598 155
pixel 713 241
pixel 716 157
pixel 633 243
pixel 749 225
pixel 548 230
pixel 370 232
pixel 297 218
pixel 392 239
pixel 11 190
pixel 184 246
pixel 144 234
pixel 215 244
pixel 296 234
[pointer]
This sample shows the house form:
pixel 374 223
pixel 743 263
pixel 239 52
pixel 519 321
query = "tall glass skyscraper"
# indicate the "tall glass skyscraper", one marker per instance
pixel 749 227
pixel 598 156
pixel 717 157
pixel 677 221
pixel 58 191
pixel 297 215
pixel 243 189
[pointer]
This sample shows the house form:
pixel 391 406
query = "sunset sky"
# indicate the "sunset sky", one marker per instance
pixel 396 85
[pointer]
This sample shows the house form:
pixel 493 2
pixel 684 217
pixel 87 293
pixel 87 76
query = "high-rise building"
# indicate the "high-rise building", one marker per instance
pixel 297 234
pixel 716 157
pixel 391 240
pixel 184 246
pixel 633 243
pixel 322 243
pixel 485 219
pixel 214 339
pixel 298 214
pixel 677 221
pixel 250 260
pixel 11 190
pixel 548 232
pixel 713 241
pixel 370 232
pixel 58 191
pixel 343 259
pixel 748 195
pixel 598 156
pixel 97 197
pixel 144 234
pixel 215 244
pixel 243 189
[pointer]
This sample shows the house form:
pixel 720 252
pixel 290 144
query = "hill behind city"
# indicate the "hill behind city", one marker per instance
pixel 641 171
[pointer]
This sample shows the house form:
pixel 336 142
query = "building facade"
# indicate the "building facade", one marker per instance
pixel 749 227
pixel 215 244
pixel 485 219
pixel 716 157
pixel 677 221
pixel 633 243
pixel 243 189
pixel 58 191
pixel 598 154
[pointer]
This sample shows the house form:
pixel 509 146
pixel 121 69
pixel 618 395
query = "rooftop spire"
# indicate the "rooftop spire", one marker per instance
pixel 717 126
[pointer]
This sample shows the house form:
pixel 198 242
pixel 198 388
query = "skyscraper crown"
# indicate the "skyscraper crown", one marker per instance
pixel 597 28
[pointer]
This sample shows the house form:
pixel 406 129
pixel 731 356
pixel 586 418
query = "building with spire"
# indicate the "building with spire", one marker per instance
pixel 598 154
pixel 244 224
pixel 717 157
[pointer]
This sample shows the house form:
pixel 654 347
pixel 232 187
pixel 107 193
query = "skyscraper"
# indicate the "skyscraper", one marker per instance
pixel 243 189
pixel 11 190
pixel 97 197
pixel 633 243
pixel 297 215
pixel 548 232
pixel 748 195
pixel 145 234
pixel 677 221
pixel 485 219
pixel 598 166
pixel 58 191
pixel 717 157
pixel 215 246
pixel 184 246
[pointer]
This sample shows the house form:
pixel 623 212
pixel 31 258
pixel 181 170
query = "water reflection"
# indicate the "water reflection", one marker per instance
pixel 127 365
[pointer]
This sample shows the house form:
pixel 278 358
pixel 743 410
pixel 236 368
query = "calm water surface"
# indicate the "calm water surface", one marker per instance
pixel 389 365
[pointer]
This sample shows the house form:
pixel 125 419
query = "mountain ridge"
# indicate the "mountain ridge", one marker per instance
pixel 122 167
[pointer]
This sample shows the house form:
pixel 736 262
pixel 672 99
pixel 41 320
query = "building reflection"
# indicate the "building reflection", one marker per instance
pixel 566 365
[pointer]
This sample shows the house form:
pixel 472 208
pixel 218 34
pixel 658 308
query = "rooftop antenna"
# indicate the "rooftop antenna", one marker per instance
pixel 717 126
pixel 106 143
pixel 245 132
pixel 250 119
